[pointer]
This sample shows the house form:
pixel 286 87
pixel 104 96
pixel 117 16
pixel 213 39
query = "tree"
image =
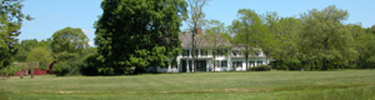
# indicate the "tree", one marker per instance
pixel 250 31
pixel 40 54
pixel 153 25
pixel 216 36
pixel 364 46
pixel 325 39
pixel 371 30
pixel 195 23
pixel 68 42
pixel 285 32
pixel 67 47
pixel 10 23
pixel 24 48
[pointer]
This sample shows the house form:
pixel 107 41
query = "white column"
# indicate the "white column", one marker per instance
pixel 207 66
pixel 199 52
pixel 187 66
pixel 190 54
pixel 179 68
pixel 192 66
pixel 169 67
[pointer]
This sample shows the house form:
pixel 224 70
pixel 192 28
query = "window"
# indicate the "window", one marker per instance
pixel 220 52
pixel 224 63
pixel 217 64
pixel 236 52
pixel 257 53
pixel 223 52
pixel 252 63
pixel 186 53
pixel 196 52
pixel 259 62
pixel 204 52
pixel 234 64
pixel 237 64
pixel 215 52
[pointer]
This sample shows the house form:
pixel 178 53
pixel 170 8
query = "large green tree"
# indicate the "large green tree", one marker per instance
pixel 325 40
pixel 285 33
pixel 68 43
pixel 138 33
pixel 67 47
pixel 250 31
pixel 11 19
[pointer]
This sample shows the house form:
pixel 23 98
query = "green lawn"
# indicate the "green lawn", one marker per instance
pixel 316 85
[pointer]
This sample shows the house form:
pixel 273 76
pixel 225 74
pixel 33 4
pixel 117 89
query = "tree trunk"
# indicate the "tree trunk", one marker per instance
pixel 325 61
pixel 247 50
pixel 193 48
pixel 324 67
pixel 214 54
pixel 214 62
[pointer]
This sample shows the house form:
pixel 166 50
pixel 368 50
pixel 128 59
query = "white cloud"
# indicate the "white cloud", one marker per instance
pixel 91 44
pixel 87 31
pixel 90 34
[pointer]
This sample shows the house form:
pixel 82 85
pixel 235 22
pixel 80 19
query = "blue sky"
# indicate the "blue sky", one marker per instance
pixel 53 15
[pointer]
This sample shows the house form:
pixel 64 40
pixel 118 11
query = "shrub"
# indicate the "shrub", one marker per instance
pixel 10 70
pixel 93 67
pixel 106 71
pixel 262 68
pixel 70 67
pixel 293 64
pixel 90 68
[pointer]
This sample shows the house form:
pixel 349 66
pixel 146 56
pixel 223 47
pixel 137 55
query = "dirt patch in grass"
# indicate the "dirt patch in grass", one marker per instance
pixel 291 88
pixel 218 90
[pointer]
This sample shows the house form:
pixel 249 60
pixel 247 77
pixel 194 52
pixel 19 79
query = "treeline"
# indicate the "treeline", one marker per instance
pixel 134 34
pixel 316 40
pixel 67 47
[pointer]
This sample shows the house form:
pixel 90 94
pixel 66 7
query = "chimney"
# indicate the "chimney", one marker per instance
pixel 199 30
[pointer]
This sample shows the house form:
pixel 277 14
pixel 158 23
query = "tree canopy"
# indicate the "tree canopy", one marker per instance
pixel 215 34
pixel 11 19
pixel 71 40
pixel 250 31
pixel 67 46
pixel 42 55
pixel 195 23
pixel 325 39
pixel 153 25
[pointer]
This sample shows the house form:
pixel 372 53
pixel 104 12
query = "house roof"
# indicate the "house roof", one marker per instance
pixel 203 41
pixel 242 46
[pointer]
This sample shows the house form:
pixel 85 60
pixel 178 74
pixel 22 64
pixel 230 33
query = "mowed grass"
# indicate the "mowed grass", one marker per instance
pixel 274 85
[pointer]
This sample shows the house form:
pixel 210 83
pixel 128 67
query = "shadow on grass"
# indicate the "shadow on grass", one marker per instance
pixel 4 95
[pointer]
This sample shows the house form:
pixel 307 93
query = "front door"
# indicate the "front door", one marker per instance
pixel 184 65
pixel 201 65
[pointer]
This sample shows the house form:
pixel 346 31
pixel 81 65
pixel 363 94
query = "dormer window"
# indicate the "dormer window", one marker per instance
pixel 258 53
pixel 237 53
pixel 204 52
pixel 186 53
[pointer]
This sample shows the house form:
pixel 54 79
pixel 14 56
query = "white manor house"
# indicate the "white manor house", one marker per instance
pixel 229 57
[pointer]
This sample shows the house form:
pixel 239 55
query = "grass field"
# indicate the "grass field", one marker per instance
pixel 280 85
